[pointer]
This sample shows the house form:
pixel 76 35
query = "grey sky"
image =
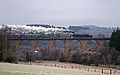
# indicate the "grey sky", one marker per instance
pixel 60 12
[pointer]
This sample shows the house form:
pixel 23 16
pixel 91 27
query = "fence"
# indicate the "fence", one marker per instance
pixel 69 66
pixel 108 71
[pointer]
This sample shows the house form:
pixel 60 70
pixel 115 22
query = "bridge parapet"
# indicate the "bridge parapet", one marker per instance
pixel 59 38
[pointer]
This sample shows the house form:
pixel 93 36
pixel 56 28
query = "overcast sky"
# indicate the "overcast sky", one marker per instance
pixel 60 12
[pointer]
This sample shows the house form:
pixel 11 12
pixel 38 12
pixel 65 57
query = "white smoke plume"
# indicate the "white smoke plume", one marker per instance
pixel 27 29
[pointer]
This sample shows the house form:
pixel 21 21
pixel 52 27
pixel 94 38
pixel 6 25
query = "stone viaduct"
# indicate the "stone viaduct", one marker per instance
pixel 99 43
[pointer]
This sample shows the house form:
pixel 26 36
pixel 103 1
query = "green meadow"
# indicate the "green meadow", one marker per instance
pixel 20 69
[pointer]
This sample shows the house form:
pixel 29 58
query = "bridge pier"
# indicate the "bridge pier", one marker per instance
pixel 50 44
pixel 14 45
pixel 66 44
pixel 33 43
pixel 99 44
pixel 84 44
pixel 17 46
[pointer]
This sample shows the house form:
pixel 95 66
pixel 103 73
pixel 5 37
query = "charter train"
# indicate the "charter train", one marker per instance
pixel 42 31
pixel 42 35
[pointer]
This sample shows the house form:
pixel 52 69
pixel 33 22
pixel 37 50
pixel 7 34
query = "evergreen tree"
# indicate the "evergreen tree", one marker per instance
pixel 115 40
pixel 112 39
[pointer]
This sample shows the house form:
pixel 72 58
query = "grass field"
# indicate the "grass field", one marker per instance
pixel 20 69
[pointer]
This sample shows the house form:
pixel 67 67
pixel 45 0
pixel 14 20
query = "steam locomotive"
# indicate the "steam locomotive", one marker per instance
pixel 82 36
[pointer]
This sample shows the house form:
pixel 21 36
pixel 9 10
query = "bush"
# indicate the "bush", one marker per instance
pixel 1 58
pixel 10 59
pixel 97 62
